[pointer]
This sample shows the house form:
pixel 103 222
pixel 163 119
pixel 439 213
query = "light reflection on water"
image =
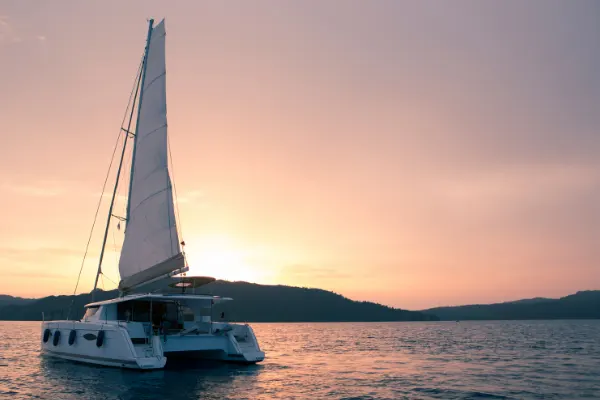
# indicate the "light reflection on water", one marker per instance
pixel 517 359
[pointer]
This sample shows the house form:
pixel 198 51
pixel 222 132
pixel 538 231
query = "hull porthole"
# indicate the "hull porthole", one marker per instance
pixel 72 337
pixel 100 339
pixel 56 339
pixel 47 334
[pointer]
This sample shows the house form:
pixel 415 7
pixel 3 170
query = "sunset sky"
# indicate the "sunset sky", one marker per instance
pixel 414 153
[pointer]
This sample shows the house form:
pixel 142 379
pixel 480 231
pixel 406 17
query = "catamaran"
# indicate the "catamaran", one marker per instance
pixel 143 330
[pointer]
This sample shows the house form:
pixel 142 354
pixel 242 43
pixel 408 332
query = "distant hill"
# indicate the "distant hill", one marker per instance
pixel 7 300
pixel 252 303
pixel 528 301
pixel 581 305
pixel 266 303
pixel 53 307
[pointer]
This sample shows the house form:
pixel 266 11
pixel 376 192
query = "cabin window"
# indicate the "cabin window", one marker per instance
pixel 138 311
pixel 166 312
pixel 90 311
pixel 188 314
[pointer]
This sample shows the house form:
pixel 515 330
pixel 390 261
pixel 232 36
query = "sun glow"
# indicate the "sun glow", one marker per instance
pixel 220 257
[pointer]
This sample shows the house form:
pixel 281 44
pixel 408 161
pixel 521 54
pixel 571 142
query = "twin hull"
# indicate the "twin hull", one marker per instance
pixel 226 342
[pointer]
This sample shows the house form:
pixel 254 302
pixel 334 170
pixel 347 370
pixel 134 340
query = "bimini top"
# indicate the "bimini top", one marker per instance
pixel 215 299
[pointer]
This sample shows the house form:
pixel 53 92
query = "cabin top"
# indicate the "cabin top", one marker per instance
pixel 158 296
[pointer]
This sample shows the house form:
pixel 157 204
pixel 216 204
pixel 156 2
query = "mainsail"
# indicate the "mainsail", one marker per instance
pixel 151 246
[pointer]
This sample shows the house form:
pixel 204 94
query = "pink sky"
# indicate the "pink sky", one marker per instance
pixel 408 153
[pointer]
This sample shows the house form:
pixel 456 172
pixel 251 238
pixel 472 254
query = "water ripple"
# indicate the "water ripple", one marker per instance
pixel 424 360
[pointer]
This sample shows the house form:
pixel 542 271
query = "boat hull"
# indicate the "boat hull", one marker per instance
pixel 117 349
pixel 108 362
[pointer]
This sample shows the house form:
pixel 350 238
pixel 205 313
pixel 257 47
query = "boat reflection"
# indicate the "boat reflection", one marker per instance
pixel 181 379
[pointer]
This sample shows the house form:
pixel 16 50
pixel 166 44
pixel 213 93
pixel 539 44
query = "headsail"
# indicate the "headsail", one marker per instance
pixel 151 246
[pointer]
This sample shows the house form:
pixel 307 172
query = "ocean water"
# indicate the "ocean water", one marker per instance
pixel 400 360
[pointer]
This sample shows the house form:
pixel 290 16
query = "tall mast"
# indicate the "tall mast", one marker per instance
pixel 137 122
pixel 139 88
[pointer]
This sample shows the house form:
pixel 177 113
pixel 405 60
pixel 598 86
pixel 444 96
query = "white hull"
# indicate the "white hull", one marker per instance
pixel 126 345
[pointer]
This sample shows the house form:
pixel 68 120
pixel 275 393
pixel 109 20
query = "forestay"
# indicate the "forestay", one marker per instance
pixel 151 246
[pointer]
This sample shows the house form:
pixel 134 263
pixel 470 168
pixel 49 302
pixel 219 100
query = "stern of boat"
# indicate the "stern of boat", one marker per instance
pixel 243 346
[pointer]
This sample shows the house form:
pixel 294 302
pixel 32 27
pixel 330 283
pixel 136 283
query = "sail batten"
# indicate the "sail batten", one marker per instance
pixel 151 246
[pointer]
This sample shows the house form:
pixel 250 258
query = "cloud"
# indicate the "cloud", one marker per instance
pixel 518 183
pixel 7 32
pixel 21 273
pixel 309 272
pixel 37 262
pixel 36 191
pixel 34 253
pixel 192 196
pixel 42 188
pixel 108 195
pixel 41 261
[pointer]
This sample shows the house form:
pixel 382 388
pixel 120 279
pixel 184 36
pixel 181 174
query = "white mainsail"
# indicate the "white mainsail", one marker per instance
pixel 151 246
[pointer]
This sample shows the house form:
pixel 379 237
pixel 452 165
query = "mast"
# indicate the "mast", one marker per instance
pixel 139 88
pixel 137 122
pixel 151 243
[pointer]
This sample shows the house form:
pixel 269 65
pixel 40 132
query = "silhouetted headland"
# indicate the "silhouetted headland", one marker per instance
pixel 252 303
pixel 581 305
pixel 279 303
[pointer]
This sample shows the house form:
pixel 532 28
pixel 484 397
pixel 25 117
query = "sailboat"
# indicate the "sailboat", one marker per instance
pixel 142 330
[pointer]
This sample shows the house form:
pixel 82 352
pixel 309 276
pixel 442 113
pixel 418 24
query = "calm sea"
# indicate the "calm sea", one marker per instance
pixel 412 360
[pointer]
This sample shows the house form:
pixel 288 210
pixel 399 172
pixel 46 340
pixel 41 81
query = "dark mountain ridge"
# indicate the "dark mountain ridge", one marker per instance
pixel 581 305
pixel 278 303
pixel 252 303
pixel 7 300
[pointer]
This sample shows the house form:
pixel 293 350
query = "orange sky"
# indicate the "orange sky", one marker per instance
pixel 405 153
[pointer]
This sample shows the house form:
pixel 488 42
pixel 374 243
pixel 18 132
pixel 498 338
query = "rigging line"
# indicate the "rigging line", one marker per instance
pixel 87 246
pixel 115 249
pixel 177 216
pixel 169 215
pixel 124 203
pixel 113 282
pixel 112 159
pixel 124 187
pixel 127 166
pixel 119 169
